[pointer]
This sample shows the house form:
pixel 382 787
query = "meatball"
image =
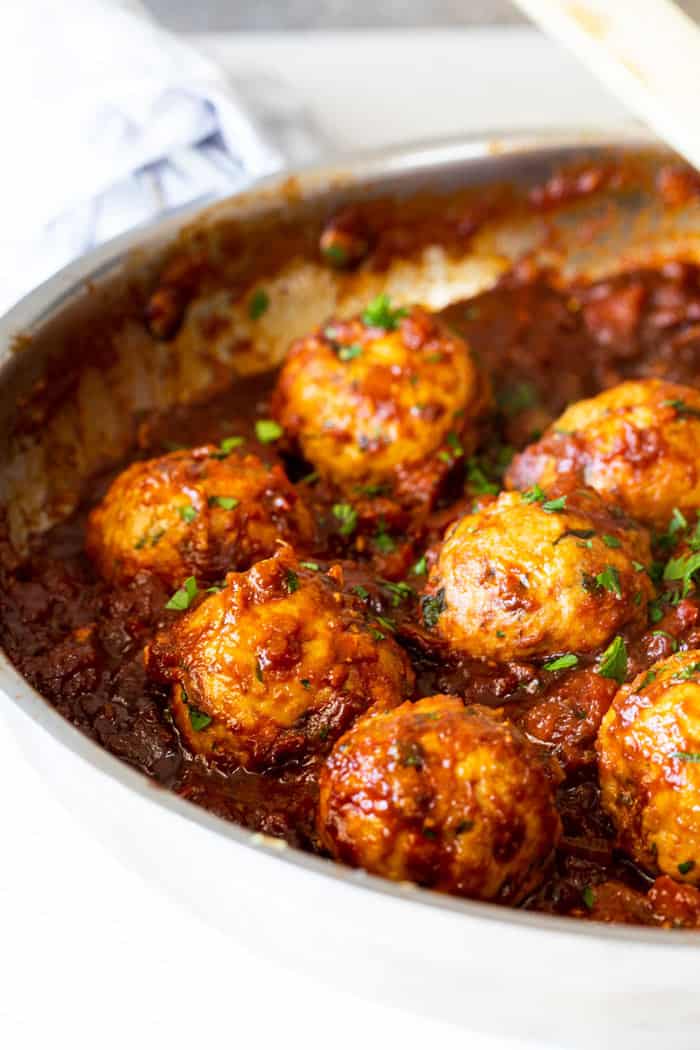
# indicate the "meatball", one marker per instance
pixel 445 795
pixel 527 576
pixel 197 512
pixel 389 398
pixel 637 444
pixel 649 764
pixel 276 665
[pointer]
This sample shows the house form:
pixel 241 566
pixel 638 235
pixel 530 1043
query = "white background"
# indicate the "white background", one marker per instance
pixel 91 957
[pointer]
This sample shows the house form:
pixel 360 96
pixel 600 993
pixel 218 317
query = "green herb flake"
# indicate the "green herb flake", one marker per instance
pixel 454 443
pixel 609 579
pixel 258 304
pixel 188 513
pixel 398 592
pixel 687 756
pixel 686 866
pixel 385 622
pixel 683 569
pixel 686 673
pixel 312 565
pixel 613 542
pixel 681 407
pixel 334 253
pixel 581 534
pixel 306 683
pixel 554 506
pixel 198 719
pixel 292 581
pixel 588 897
pixel 413 755
pixel 225 502
pixel 562 663
pixel 668 637
pixel 613 662
pixel 649 677
pixel 268 430
pixel 516 398
pixel 384 542
pixel 361 592
pixel 184 596
pixel 533 495
pixel 380 313
pixel 478 480
pixel 420 568
pixel 655 611
pixel 377 635
pixel 432 605
pixel 349 353
pixel 347 518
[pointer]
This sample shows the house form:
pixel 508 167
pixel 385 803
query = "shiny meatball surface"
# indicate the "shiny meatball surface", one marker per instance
pixel 368 404
pixel 528 576
pixel 637 444
pixel 196 512
pixel 443 795
pixel 275 665
pixel 649 763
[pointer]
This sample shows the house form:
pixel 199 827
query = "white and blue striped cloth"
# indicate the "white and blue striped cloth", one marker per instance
pixel 114 121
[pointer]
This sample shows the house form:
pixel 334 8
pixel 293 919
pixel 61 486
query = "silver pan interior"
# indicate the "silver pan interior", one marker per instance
pixel 70 402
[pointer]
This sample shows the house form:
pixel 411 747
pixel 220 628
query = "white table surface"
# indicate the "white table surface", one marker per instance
pixel 90 956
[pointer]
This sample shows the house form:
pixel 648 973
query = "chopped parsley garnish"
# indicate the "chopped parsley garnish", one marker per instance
pixel 349 353
pixel 292 581
pixel 413 755
pixel 380 313
pixel 198 719
pixel 227 446
pixel 258 304
pixel 225 502
pixel 533 495
pixel 685 866
pixel 398 592
pixel 683 568
pixel 478 480
pixel 268 430
pixel 686 673
pixel 516 398
pixel 346 516
pixel 609 579
pixel 432 605
pixel 306 683
pixel 309 479
pixel 384 621
pixel 184 596
pixel 188 513
pixel 561 663
pixel 613 662
pixel 612 541
pixel 668 637
pixel 588 897
pixel 454 443
pixel 678 522
pixel 649 677
pixel 656 613
pixel 687 756
pixel 553 506
pixel 361 592
pixel 420 568
pixel 377 635
pixel 335 253
pixel 383 541
pixel 681 407
pixel 313 565
pixel 580 534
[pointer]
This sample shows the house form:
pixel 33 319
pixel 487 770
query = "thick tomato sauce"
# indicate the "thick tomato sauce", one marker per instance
pixel 79 641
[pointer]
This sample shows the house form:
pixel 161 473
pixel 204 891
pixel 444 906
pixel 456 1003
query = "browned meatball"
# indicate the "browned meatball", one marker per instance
pixel 649 762
pixel 637 444
pixel 276 665
pixel 197 512
pixel 390 398
pixel 441 794
pixel 528 576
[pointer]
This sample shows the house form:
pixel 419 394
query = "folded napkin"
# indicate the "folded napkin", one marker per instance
pixel 111 121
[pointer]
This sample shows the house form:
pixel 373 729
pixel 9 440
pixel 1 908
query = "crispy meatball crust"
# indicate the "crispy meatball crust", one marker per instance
pixel 275 665
pixel 369 405
pixel 441 794
pixel 194 513
pixel 637 444
pixel 649 765
pixel 518 579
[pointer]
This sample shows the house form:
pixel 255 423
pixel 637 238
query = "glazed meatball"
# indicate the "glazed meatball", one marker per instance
pixel 637 444
pixel 196 512
pixel 649 762
pixel 528 576
pixel 389 398
pixel 441 794
pixel 276 665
